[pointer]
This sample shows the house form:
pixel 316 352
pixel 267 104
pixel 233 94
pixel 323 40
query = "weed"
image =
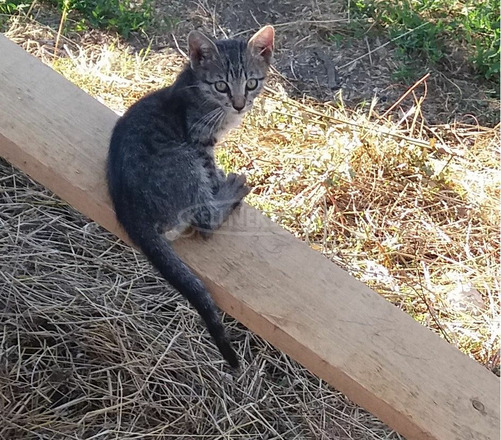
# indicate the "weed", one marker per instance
pixel 482 33
pixel 439 25
pixel 112 14
pixel 9 7
pixel 408 70
pixel 104 14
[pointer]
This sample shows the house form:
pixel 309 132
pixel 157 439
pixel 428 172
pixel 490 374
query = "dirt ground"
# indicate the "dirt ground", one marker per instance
pixel 318 55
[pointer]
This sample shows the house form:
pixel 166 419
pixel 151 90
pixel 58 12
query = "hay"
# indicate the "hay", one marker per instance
pixel 94 345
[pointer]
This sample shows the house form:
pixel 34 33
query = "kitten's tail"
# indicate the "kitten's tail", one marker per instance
pixel 160 253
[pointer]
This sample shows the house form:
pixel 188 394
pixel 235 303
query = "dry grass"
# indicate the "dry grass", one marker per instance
pixel 94 346
pixel 413 211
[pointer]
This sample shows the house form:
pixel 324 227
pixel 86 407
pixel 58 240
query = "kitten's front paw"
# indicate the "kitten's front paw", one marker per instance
pixel 235 188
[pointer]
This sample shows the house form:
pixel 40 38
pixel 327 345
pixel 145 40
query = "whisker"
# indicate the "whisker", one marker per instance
pixel 203 120
pixel 210 119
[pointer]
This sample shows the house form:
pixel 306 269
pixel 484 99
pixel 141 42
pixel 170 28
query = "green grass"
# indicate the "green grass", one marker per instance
pixel 441 27
pixel 115 15
pixel 112 14
pixel 10 7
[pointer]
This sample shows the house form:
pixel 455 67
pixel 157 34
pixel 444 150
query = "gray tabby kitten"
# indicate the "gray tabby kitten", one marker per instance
pixel 161 173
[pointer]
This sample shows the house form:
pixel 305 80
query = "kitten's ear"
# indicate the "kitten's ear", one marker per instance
pixel 262 42
pixel 202 49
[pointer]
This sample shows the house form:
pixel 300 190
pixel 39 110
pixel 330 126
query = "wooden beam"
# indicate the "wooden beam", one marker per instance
pixel 274 284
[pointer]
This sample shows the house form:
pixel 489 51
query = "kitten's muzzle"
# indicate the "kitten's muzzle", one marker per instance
pixel 238 102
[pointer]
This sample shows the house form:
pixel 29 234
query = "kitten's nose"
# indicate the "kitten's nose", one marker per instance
pixel 238 102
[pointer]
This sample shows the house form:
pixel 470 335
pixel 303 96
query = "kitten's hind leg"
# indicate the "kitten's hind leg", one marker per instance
pixel 213 214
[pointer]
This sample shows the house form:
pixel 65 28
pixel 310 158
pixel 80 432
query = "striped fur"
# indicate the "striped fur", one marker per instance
pixel 161 173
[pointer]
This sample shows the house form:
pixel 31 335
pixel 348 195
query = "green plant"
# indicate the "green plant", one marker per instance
pixel 405 73
pixel 397 18
pixel 9 7
pixel 111 14
pixel 481 29
pixel 438 25
pixel 105 14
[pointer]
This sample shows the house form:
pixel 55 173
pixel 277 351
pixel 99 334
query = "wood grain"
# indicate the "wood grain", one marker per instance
pixel 274 284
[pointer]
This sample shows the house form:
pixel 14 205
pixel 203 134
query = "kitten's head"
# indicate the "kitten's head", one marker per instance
pixel 231 72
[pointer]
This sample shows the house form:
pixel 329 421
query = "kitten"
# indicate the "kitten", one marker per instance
pixel 161 173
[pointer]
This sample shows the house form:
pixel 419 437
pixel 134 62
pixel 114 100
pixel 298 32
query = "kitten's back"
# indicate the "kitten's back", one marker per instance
pixel 161 171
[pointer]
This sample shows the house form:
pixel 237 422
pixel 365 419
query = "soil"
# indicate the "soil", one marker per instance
pixel 318 55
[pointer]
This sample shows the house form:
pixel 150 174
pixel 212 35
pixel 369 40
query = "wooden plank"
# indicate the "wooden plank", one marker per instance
pixel 274 284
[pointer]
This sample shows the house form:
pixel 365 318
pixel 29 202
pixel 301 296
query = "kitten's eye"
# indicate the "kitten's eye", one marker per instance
pixel 251 84
pixel 221 86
